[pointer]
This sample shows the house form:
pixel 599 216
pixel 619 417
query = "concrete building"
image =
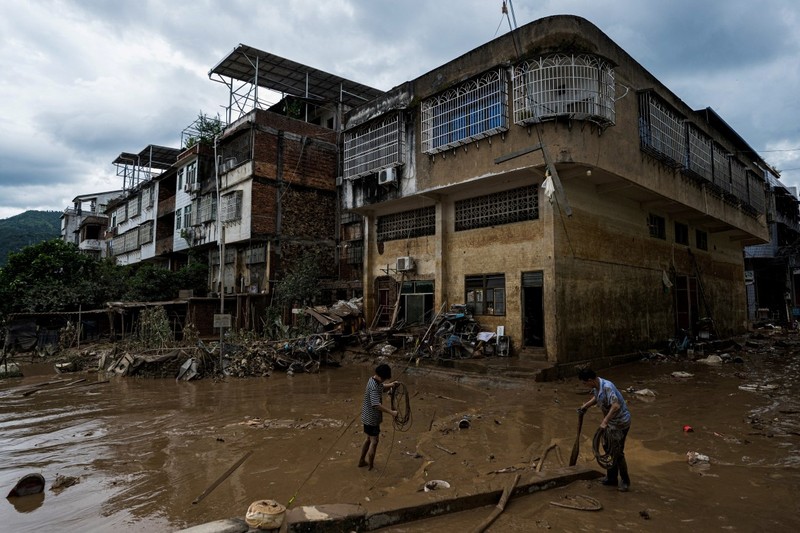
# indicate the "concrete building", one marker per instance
pixel 552 184
pixel 85 223
pixel 772 270
pixel 132 228
pixel 277 176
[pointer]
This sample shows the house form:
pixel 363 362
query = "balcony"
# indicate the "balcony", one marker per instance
pixel 88 245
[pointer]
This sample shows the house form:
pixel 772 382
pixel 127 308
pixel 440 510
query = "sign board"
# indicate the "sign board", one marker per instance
pixel 222 321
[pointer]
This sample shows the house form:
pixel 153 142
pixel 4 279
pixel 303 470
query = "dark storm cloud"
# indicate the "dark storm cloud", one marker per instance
pixel 87 79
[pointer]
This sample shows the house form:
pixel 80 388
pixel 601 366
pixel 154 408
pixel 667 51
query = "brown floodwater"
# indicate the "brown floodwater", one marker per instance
pixel 145 449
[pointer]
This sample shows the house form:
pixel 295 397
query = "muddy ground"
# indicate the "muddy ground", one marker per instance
pixel 144 449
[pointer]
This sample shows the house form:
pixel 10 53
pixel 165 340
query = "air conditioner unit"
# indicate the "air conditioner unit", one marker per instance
pixel 404 264
pixel 387 176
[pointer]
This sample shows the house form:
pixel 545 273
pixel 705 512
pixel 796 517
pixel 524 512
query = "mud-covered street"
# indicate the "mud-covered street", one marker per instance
pixel 143 450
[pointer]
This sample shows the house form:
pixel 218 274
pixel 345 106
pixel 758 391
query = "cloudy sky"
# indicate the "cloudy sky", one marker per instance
pixel 83 80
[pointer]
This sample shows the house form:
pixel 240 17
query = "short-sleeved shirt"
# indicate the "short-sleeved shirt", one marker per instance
pixel 606 394
pixel 373 395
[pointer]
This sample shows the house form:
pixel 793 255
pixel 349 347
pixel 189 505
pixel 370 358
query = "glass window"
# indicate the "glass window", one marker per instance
pixel 486 294
pixel 657 226
pixel 466 113
pixel 187 216
pixel 178 218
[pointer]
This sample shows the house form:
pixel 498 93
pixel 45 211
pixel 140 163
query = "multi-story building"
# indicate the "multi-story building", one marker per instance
pixel 277 175
pixel 553 185
pixel 85 223
pixel 132 228
pixel 772 270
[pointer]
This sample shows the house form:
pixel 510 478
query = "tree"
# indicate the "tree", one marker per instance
pixel 53 276
pixel 301 285
pixel 203 130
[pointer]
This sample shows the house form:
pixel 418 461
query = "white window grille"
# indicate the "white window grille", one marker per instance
pixel 131 240
pixel 722 168
pixel 699 155
pixel 118 245
pixel 146 232
pixel 122 213
pixel 472 111
pixel 134 206
pixel 505 207
pixel 147 197
pixel 578 86
pixel 738 180
pixel 231 208
pixel 376 146
pixel 407 224
pixel 661 130
pixel 208 208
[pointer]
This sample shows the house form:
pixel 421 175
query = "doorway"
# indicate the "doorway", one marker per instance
pixel 533 308
pixel 686 304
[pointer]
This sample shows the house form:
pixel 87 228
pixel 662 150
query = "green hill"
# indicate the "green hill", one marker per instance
pixel 30 227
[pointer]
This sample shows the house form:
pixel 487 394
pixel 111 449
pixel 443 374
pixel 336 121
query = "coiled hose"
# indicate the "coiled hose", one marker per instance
pixel 402 404
pixel 611 442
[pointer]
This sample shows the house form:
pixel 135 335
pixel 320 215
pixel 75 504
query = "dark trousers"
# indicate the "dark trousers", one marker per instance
pixel 620 467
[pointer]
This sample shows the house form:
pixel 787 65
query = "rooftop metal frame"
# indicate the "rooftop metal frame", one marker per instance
pixel 246 70
pixel 150 162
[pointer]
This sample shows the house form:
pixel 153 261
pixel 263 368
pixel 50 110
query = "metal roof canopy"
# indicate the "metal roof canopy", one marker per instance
pixel 257 68
pixel 134 168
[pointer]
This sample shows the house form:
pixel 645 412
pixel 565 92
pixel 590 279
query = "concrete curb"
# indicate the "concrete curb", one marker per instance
pixel 335 518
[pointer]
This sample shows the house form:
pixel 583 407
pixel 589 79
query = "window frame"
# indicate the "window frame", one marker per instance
pixel 657 226
pixel 474 110
pixel 485 294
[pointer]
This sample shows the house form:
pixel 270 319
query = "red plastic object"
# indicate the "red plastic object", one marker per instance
pixel 688 429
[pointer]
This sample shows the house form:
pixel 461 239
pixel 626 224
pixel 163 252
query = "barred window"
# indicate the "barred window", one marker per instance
pixel 699 155
pixel 147 197
pixel 122 213
pixel 118 245
pixel 134 206
pixel 738 180
pixel 178 219
pixel 506 207
pixel 131 240
pixel 414 223
pixel 231 209
pixel 661 130
pixel 373 147
pixel 755 192
pixel 722 168
pixel 657 226
pixel 578 86
pixel 354 252
pixel 486 294
pixel 208 208
pixel 472 111
pixel 146 232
